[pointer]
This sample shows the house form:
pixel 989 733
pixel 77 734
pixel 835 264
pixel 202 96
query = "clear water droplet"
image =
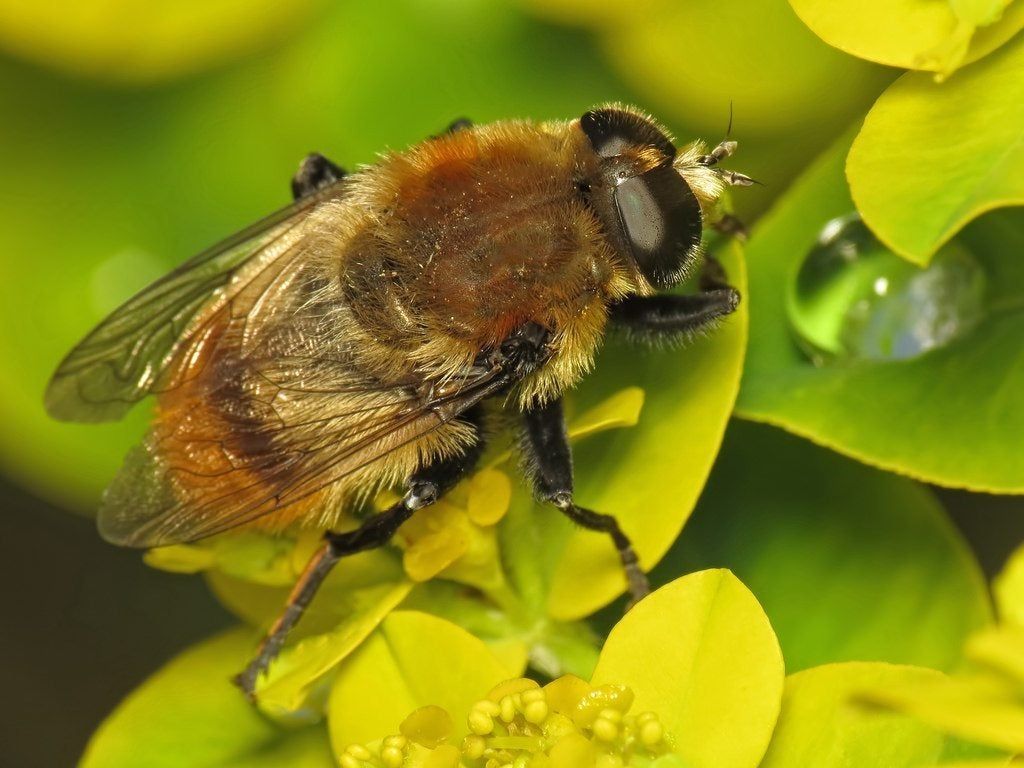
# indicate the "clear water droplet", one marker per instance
pixel 854 299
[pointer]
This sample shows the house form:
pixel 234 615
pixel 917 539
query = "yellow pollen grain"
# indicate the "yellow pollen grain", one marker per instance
pixel 651 733
pixel 605 730
pixel 474 747
pixel 480 722
pixel 392 757
pixel 536 712
pixel 535 694
pixel 488 707
pixel 359 752
pixel 508 709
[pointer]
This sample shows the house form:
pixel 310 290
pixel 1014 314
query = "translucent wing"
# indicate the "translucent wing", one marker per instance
pixel 195 479
pixel 127 355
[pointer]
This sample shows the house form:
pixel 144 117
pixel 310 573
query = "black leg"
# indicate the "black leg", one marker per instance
pixel 315 172
pixel 673 318
pixel 730 226
pixel 425 487
pixel 459 124
pixel 549 463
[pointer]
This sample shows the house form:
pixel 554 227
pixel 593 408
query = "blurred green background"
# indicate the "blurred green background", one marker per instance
pixel 136 133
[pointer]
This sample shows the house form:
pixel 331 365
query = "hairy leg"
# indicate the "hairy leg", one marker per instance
pixel 425 487
pixel 549 461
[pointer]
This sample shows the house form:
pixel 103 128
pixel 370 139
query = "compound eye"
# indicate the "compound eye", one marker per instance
pixel 660 219
pixel 613 131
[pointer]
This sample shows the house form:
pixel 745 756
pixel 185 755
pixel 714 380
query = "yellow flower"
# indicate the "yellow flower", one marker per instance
pixel 692 676
pixel 518 723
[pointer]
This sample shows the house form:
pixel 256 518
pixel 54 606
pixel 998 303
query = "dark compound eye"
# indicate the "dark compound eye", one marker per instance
pixel 612 131
pixel 660 219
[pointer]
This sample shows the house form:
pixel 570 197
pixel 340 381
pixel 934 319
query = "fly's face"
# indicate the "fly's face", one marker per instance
pixel 649 196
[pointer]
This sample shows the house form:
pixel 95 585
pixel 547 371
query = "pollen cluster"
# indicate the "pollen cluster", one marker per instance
pixel 568 723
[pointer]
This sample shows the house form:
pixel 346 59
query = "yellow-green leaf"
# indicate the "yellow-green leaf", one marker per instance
pixel 932 157
pixel 689 394
pixel 412 660
pixel 132 41
pixel 181 558
pixel 980 708
pixel 1000 648
pixel 190 714
pixel 913 34
pixel 701 653
pixel 620 410
pixel 820 726
pixel 1008 589
pixel 286 688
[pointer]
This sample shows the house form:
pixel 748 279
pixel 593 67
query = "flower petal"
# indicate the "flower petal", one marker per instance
pixel 490 491
pixel 701 653
pixel 413 659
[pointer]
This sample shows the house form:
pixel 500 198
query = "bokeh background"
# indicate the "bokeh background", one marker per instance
pixel 135 133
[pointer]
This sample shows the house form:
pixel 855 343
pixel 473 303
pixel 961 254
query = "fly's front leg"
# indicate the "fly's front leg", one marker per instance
pixel 672 318
pixel 425 487
pixel 315 172
pixel 549 462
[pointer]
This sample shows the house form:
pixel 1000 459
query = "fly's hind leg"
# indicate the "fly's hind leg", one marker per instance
pixel 315 172
pixel 548 458
pixel 425 487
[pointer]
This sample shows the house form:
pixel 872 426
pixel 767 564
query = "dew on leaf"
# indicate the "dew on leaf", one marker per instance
pixel 852 299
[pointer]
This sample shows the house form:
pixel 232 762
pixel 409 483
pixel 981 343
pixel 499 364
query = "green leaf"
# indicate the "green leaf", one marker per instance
pixel 820 727
pixel 689 392
pixel 914 187
pixel 952 416
pixel 913 34
pixel 849 563
pixel 190 714
pixel 149 177
pixel 412 660
pixel 701 653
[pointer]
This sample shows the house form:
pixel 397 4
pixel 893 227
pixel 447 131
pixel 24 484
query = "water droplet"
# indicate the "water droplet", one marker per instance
pixel 854 299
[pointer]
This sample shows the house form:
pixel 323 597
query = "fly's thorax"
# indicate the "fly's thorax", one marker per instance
pixel 473 236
